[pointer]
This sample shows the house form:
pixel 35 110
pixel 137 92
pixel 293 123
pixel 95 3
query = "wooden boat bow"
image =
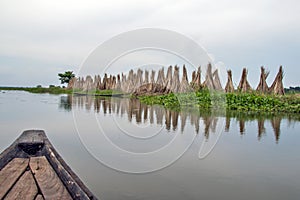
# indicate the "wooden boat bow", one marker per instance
pixel 32 161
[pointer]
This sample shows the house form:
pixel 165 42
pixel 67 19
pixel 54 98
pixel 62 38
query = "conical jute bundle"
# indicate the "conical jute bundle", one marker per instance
pixel 263 86
pixel 244 85
pixel 139 81
pixel 217 82
pixel 193 76
pixel 161 77
pixel 118 86
pixel 196 79
pixel 168 80
pixel 277 86
pixel 130 81
pixel 113 82
pixel 171 82
pixel 152 78
pixel 175 81
pixel 229 86
pixel 72 83
pixel 77 83
pixel 109 84
pixel 88 84
pixel 97 81
pixel 123 83
pixel 184 84
pixel 104 82
pixel 80 83
pixel 146 79
pixel 209 82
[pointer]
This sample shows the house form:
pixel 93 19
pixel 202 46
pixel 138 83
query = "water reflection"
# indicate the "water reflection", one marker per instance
pixel 133 109
pixel 261 120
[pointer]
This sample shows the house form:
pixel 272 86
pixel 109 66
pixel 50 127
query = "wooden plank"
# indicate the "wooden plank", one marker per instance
pixel 8 154
pixel 48 181
pixel 25 188
pixel 39 197
pixel 11 173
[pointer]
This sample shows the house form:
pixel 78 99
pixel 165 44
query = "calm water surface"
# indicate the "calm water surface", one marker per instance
pixel 242 156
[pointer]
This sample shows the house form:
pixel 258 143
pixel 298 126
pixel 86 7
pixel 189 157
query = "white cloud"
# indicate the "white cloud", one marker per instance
pixel 66 31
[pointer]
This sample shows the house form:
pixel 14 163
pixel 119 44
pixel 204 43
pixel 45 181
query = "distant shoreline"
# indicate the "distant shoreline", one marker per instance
pixel 50 90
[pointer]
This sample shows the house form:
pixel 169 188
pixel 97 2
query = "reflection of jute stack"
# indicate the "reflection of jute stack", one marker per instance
pixel 175 116
pixel 207 125
pixel 260 127
pixel 142 113
pixel 183 117
pixel 275 122
pixel 227 124
pixel 168 119
pixel 242 126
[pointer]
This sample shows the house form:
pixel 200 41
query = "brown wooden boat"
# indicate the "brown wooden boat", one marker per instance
pixel 32 169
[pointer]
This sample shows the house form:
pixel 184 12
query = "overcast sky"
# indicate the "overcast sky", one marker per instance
pixel 40 38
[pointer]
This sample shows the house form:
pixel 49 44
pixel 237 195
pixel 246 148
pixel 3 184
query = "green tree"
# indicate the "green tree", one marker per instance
pixel 66 77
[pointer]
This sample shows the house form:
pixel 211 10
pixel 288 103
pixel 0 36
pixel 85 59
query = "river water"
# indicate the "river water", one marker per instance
pixel 122 149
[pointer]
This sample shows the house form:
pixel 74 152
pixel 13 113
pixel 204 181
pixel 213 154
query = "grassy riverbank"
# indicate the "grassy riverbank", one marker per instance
pixel 50 90
pixel 60 90
pixel 243 102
